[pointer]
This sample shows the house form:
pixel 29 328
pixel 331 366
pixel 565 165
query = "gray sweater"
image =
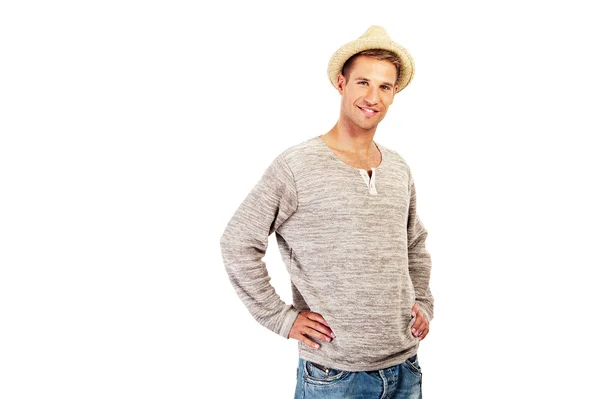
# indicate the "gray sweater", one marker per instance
pixel 353 246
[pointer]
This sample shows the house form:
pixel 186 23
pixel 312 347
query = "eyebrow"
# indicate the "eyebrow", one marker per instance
pixel 361 78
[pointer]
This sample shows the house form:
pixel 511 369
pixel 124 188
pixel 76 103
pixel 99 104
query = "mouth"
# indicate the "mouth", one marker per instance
pixel 368 111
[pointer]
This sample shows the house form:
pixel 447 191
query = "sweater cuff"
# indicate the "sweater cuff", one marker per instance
pixel 288 321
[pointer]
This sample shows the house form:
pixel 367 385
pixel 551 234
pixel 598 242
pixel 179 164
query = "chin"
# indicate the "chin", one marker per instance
pixel 370 126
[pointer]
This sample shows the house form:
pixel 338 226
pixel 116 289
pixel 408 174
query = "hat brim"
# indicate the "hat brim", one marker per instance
pixel 339 58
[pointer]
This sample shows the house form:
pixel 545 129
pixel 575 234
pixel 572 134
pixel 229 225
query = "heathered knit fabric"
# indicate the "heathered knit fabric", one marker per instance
pixel 353 246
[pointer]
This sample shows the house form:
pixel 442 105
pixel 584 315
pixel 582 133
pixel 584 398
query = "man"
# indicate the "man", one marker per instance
pixel 343 208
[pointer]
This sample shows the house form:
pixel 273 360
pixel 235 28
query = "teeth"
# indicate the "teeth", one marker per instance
pixel 368 110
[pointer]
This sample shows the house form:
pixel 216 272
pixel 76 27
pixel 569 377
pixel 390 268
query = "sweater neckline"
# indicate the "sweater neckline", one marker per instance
pixel 338 160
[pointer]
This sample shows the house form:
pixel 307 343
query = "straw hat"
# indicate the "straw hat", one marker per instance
pixel 374 38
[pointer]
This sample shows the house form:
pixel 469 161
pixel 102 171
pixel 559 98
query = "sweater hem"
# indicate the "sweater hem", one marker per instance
pixel 359 366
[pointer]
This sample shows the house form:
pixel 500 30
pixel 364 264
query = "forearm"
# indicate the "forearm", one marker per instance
pixel 251 282
pixel 420 272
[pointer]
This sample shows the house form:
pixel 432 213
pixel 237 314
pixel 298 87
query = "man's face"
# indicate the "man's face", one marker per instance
pixel 368 92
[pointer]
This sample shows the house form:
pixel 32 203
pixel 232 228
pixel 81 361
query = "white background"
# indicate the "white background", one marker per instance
pixel 131 131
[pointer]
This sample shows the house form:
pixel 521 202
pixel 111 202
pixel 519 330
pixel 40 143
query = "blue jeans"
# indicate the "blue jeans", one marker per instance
pixel 402 381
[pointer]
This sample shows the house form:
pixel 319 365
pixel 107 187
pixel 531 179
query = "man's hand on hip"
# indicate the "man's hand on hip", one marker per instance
pixel 421 327
pixel 311 324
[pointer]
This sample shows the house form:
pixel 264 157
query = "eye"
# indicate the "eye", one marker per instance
pixel 386 87
pixel 362 82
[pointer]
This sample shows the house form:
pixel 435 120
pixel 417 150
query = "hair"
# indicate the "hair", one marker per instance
pixel 380 54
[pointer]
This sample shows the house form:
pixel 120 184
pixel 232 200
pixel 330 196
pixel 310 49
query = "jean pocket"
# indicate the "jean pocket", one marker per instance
pixel 412 363
pixel 318 374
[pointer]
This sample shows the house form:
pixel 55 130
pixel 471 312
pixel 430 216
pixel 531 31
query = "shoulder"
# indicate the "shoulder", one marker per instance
pixel 288 161
pixel 301 154
pixel 394 157
pixel 302 149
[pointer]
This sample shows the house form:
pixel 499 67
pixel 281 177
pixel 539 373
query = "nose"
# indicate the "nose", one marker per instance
pixel 372 96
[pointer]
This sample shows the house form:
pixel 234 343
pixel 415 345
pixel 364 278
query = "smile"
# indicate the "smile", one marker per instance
pixel 368 112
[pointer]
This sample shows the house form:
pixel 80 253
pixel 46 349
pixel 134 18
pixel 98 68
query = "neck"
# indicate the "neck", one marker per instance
pixel 350 139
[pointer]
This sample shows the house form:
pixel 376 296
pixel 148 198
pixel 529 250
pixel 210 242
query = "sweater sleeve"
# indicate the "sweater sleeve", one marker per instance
pixel 244 243
pixel 419 259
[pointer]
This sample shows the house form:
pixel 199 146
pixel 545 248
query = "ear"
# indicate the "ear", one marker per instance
pixel 341 83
